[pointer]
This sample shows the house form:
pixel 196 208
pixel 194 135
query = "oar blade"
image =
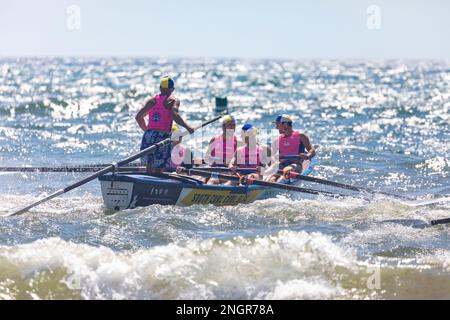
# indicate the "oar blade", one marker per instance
pixel 23 210
pixel 440 221
pixel 426 202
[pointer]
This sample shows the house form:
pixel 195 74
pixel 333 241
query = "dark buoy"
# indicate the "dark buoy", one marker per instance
pixel 221 105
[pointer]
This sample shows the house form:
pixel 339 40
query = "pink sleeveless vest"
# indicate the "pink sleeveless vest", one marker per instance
pixel 224 151
pixel 248 159
pixel 159 118
pixel 289 146
pixel 177 156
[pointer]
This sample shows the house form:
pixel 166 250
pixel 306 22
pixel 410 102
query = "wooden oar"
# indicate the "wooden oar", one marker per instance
pixel 259 182
pixel 107 169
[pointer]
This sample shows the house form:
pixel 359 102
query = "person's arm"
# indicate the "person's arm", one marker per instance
pixel 309 147
pixel 140 117
pixel 275 153
pixel 174 106
pixel 179 120
pixel 188 161
pixel 233 163
pixel 208 153
pixel 266 155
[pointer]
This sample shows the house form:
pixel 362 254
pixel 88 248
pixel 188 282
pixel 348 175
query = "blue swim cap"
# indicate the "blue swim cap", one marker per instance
pixel 283 118
pixel 228 118
pixel 249 129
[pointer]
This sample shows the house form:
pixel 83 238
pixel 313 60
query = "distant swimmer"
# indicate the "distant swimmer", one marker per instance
pixel 161 110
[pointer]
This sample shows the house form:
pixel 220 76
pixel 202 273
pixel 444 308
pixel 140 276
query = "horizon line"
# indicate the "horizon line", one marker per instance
pixel 152 57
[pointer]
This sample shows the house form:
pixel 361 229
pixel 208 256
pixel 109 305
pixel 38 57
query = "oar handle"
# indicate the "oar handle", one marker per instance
pixel 202 125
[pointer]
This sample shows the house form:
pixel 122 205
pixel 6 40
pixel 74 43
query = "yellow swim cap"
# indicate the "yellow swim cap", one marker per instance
pixel 175 128
pixel 228 119
pixel 167 83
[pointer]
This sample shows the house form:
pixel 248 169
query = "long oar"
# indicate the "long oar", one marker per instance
pixel 110 168
pixel 296 175
pixel 440 221
pixel 299 176
pixel 133 167
pixel 412 202
pixel 444 220
pixel 86 168
pixel 259 182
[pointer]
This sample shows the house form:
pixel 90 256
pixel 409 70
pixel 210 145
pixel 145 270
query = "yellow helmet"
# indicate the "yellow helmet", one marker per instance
pixel 167 83
pixel 228 118
pixel 176 133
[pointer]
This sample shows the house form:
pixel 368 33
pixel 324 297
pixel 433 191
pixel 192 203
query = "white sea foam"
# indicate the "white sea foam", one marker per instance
pixel 287 265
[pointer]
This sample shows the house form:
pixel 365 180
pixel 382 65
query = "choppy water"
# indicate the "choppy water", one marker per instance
pixel 379 124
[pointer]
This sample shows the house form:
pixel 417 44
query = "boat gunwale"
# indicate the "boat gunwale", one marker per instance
pixel 171 181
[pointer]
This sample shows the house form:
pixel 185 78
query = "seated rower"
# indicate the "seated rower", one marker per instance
pixel 180 155
pixel 293 147
pixel 222 147
pixel 251 156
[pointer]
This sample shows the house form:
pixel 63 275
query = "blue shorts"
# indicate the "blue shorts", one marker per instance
pixel 284 164
pixel 160 158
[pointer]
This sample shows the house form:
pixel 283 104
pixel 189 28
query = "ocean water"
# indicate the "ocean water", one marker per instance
pixel 379 124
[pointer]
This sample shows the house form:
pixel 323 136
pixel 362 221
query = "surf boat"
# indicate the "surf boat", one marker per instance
pixel 125 190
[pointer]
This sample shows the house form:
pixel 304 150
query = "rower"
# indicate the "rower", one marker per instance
pixel 162 110
pixel 180 155
pixel 222 147
pixel 293 148
pixel 251 156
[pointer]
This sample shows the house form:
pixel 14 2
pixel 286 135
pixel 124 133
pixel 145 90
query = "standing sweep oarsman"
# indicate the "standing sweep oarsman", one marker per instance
pixel 162 110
